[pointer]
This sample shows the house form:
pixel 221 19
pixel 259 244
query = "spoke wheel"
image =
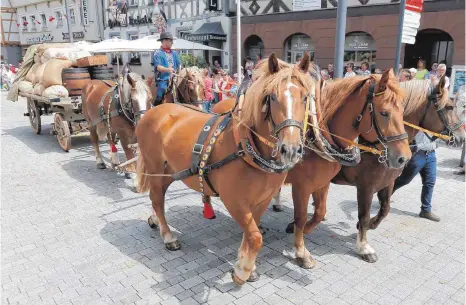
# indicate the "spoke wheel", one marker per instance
pixel 34 116
pixel 62 130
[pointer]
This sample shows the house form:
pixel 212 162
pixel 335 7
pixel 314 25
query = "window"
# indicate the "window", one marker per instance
pixel 133 2
pixel 43 20
pixel 296 45
pixel 359 48
pixel 24 23
pixel 135 57
pixel 32 21
pixel 72 16
pixel 59 18
pixel 116 60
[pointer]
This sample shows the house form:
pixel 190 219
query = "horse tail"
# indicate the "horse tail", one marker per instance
pixel 143 179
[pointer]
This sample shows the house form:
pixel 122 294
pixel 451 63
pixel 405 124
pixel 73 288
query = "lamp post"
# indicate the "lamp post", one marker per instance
pixel 401 19
pixel 238 40
pixel 340 38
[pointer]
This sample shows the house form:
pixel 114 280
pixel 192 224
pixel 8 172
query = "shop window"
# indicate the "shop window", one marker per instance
pixel 296 45
pixel 134 57
pixel 359 48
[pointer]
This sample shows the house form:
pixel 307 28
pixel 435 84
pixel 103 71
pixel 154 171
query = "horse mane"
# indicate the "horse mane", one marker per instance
pixel 268 83
pixel 335 94
pixel 417 92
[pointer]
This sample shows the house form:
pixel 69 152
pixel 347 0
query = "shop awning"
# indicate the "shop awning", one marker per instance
pixel 207 32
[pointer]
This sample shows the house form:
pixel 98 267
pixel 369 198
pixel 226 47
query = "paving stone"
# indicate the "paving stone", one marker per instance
pixel 86 238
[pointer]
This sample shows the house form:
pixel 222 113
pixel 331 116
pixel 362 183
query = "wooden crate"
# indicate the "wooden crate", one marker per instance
pixel 90 61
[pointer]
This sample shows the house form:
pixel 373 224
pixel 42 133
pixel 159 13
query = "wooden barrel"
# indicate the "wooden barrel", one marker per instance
pixel 101 72
pixel 74 80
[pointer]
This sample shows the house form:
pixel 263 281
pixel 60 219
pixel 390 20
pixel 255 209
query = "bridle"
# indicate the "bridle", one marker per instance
pixel 432 99
pixel 127 106
pixel 184 89
pixel 374 123
pixel 286 123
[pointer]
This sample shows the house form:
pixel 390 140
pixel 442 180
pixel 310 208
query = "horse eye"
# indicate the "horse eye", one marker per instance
pixel 449 107
pixel 385 114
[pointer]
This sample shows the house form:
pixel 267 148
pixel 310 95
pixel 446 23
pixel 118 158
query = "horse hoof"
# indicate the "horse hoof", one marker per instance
pixel 236 279
pixel 370 257
pixel 306 262
pixel 254 276
pixel 101 166
pixel 151 223
pixel 262 230
pixel 277 208
pixel 127 176
pixel 173 246
pixel 290 228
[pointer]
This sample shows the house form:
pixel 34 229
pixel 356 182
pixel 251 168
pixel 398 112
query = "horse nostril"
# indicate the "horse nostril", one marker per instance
pixel 283 149
pixel 401 160
pixel 300 149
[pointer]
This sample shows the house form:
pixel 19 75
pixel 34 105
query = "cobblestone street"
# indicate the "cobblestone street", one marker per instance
pixel 74 234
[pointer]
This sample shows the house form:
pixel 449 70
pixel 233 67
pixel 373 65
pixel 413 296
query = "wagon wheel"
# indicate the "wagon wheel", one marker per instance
pixel 34 116
pixel 63 132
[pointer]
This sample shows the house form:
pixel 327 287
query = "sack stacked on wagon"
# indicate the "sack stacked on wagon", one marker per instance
pixel 42 74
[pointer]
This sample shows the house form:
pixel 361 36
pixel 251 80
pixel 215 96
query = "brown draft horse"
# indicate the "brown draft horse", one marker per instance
pixel 188 85
pixel 342 103
pixel 274 107
pixel 112 108
pixel 426 106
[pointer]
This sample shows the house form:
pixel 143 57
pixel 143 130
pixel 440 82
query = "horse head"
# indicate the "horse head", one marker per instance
pixel 137 95
pixel 190 86
pixel 280 93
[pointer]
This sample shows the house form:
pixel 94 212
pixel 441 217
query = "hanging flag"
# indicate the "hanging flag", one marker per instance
pixel 17 24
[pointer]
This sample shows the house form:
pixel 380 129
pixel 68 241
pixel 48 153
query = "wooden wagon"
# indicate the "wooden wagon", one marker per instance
pixel 68 117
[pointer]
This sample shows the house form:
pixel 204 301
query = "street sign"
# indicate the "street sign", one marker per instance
pixel 412 20
pixel 415 5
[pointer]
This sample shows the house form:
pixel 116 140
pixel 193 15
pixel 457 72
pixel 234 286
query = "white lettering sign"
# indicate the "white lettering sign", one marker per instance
pixel 39 39
pixel 306 5
pixel 85 10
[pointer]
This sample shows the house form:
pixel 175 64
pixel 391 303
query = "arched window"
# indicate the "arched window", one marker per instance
pixel 296 45
pixel 253 46
pixel 359 48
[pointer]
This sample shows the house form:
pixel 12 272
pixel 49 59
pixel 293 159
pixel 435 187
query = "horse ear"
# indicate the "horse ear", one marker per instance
pixel 305 62
pixel 441 84
pixel 386 76
pixel 131 81
pixel 273 64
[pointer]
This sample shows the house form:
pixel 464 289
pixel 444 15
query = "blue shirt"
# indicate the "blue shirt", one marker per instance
pixel 162 58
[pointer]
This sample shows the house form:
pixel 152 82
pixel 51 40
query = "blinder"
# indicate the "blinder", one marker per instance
pixel 374 123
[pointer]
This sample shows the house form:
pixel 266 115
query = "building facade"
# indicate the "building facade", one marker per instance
pixel 46 21
pixel 290 27
pixel 11 50
pixel 201 21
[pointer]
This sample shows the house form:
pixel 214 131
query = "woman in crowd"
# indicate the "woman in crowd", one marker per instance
pixel 413 72
pixel 421 69
pixel 364 69
pixel 208 94
pixel 224 86
pixel 249 66
pixel 349 70
pixel 405 75
pixel 215 82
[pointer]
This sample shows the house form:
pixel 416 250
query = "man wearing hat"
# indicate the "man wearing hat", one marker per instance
pixel 166 62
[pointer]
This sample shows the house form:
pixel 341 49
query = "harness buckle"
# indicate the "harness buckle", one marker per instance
pixel 198 148
pixel 359 118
